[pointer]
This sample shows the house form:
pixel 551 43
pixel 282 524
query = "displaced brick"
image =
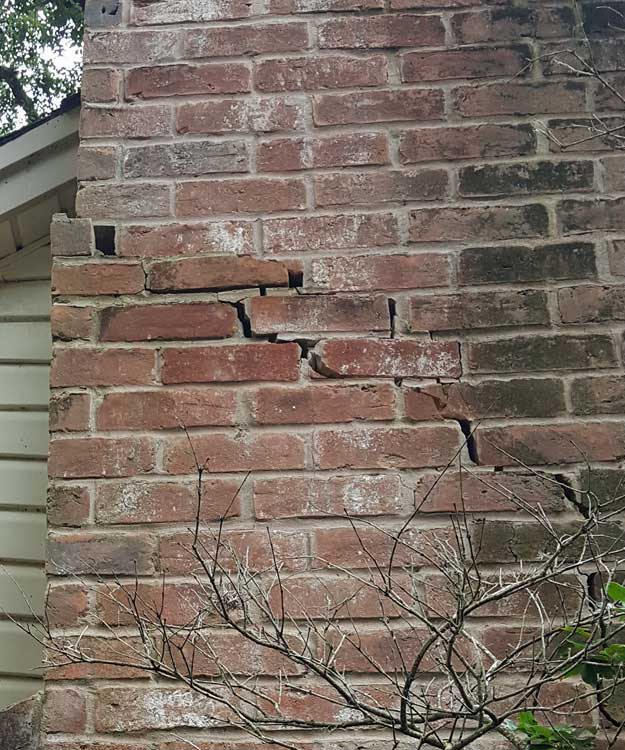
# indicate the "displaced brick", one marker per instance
pixel 215 274
pixel 69 323
pixel 71 236
pixel 96 163
pixel 92 279
pixel 227 237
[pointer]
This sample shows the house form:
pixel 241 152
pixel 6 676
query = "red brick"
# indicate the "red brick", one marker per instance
pixel 216 274
pixel 342 150
pixel 64 711
pixel 469 310
pixel 319 404
pixel 523 397
pixel 598 395
pixel 225 41
pixel 231 237
pixel 266 115
pixel 92 279
pixel 551 443
pixel 66 605
pixel 591 304
pixel 521 99
pixel 186 159
pixel 227 452
pixel 157 12
pixel 579 216
pixel 87 366
pixel 123 201
pixel 323 72
pixel 153 46
pixel 184 80
pixel 313 313
pixel 388 358
pixel 490 223
pixel 337 232
pixel 102 554
pixel 69 322
pixel 321 6
pixel 68 504
pixel 96 163
pixel 199 320
pixel 385 448
pixel 479 492
pixel 167 409
pixel 472 142
pixel 385 272
pixel 314 497
pixel 69 412
pixel 467 62
pixel 125 122
pixel 386 31
pixel 239 196
pixel 378 106
pixel 100 457
pixel 165 502
pixel 98 652
pixel 289 547
pixel 100 85
pixel 231 364
pixel 379 187
pixel 425 4
pixel 533 354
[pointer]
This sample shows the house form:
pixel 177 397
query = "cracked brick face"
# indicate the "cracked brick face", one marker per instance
pixel 340 243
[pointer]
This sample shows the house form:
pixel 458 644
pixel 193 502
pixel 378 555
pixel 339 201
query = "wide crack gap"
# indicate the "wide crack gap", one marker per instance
pixel 392 312
pixel 571 495
pixel 470 441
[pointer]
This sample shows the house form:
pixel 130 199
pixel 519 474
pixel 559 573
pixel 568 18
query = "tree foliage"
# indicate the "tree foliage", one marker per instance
pixel 35 39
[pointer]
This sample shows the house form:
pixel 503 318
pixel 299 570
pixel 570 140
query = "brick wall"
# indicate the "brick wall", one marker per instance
pixel 331 237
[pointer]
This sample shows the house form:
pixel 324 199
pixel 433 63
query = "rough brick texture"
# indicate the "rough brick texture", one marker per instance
pixel 342 239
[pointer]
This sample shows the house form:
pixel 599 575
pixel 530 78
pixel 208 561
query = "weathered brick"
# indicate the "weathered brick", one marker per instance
pixel 184 80
pixel 225 41
pixel 468 310
pixel 267 115
pixel 388 358
pixel 227 237
pixel 125 122
pixel 488 492
pixel 323 72
pixel 66 605
pixel 342 150
pixel 91 279
pixel 378 106
pixel 616 256
pixel 239 196
pixel 320 404
pixel 124 200
pixel 153 46
pixel 336 232
pixel 64 711
pixel 472 142
pixel 523 354
pixel 315 497
pixel 387 31
pixel 76 458
pixel 104 554
pixel 157 12
pixel 314 313
pixel 512 264
pixel 508 23
pixel 225 452
pixel 94 366
pixel 523 179
pixel 96 163
pixel 321 6
pixel 492 223
pixel 379 187
pixel 591 304
pixel 71 236
pixel 373 272
pixel 165 502
pixel 551 443
pixel 579 216
pixel 231 364
pixel 67 504
pixel 70 322
pixel 385 448
pixel 215 274
pixel 598 395
pixel 198 320
pixel 186 159
pixel 521 397
pixel 571 135
pixel 520 99
pixel 466 62
pixel 100 85
pixel 69 412
pixel 166 409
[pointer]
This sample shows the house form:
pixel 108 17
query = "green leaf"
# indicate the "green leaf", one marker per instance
pixel 616 592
